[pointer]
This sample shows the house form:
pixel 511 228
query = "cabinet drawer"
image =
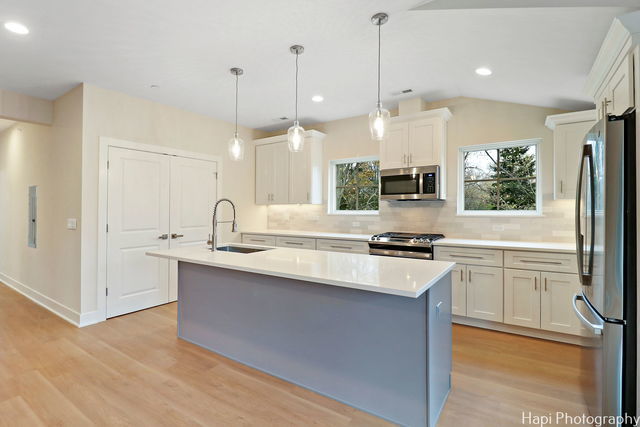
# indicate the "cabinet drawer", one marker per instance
pixel 342 246
pixel 296 242
pixel 541 261
pixel 259 239
pixel 471 256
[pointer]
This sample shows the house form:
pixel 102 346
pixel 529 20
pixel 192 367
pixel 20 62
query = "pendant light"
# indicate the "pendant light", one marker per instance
pixel 295 134
pixel 236 144
pixel 379 118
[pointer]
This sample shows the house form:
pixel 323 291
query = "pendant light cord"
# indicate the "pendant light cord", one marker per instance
pixel 236 105
pixel 297 54
pixel 379 44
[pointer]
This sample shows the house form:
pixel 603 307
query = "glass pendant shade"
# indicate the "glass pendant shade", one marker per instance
pixel 295 137
pixel 379 123
pixel 236 148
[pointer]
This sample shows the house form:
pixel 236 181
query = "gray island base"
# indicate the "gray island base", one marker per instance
pixel 385 354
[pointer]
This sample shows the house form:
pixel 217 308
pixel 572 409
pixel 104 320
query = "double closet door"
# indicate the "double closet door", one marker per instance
pixel 155 201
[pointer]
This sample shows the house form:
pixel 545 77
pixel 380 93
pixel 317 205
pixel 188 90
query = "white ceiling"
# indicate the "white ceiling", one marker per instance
pixel 539 56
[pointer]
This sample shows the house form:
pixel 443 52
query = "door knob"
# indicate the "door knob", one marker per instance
pixel 163 236
pixel 175 236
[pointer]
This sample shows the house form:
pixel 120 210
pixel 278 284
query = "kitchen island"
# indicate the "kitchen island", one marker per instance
pixel 372 332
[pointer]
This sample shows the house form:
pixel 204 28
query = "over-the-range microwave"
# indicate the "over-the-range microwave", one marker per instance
pixel 419 183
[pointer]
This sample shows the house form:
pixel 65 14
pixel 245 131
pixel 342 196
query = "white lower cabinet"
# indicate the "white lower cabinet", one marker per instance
pixel 556 309
pixel 522 298
pixel 484 293
pixel 459 290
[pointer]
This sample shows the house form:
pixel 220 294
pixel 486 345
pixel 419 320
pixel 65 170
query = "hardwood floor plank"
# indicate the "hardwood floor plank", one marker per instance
pixel 133 371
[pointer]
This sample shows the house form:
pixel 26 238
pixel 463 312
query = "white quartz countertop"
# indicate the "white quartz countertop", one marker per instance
pixel 387 275
pixel 311 234
pixel 508 245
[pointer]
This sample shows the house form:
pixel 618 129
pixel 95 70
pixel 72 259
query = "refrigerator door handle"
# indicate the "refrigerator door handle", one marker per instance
pixel 597 329
pixel 585 276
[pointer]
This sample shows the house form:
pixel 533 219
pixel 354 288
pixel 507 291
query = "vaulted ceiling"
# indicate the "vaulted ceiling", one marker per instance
pixel 539 56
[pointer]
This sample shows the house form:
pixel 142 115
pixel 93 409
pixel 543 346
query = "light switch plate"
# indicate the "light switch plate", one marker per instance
pixel 72 223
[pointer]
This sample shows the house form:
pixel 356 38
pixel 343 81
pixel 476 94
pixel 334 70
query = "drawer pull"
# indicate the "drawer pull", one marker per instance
pixel 294 243
pixel 257 240
pixel 466 256
pixel 531 261
pixel 340 247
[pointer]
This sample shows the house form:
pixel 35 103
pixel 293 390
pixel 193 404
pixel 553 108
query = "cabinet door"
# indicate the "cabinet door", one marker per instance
pixel 484 293
pixel 556 307
pixel 620 88
pixel 425 140
pixel 459 290
pixel 567 146
pixel 280 172
pixel 393 150
pixel 522 298
pixel 264 173
pixel 300 176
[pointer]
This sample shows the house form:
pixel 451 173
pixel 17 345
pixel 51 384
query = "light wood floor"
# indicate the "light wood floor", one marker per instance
pixel 132 370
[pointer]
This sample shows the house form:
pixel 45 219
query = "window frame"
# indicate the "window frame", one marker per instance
pixel 461 211
pixel 331 191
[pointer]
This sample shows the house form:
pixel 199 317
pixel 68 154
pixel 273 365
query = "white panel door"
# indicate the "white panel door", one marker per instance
pixel 264 174
pixel 280 171
pixel 556 303
pixel 138 221
pixel 522 298
pixel 459 290
pixel 425 138
pixel 300 175
pixel 484 292
pixel 193 195
pixel 567 146
pixel 393 150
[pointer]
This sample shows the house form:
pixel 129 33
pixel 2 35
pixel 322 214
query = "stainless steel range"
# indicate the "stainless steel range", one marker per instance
pixel 406 245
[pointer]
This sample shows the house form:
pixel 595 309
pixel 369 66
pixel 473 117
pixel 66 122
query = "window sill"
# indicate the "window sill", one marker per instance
pixel 507 214
pixel 350 213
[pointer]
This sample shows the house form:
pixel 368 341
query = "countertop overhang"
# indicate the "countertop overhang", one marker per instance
pixel 394 276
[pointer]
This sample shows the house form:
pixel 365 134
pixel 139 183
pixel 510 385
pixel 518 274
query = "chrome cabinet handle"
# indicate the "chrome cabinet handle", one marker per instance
pixel 410 158
pixel 163 236
pixel 535 283
pixel 175 236
pixel 340 247
pixel 461 275
pixel 465 256
pixel 469 276
pixel 532 261
pixel 545 284
pixel 294 243
pixel 561 190
pixel 257 240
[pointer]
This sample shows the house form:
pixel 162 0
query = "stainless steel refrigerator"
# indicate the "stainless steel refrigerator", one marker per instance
pixel 606 250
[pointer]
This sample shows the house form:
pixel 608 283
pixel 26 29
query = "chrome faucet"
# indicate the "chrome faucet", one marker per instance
pixel 234 225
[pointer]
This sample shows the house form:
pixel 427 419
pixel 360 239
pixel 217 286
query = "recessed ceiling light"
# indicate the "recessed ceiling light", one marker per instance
pixel 16 27
pixel 317 98
pixel 154 86
pixel 483 71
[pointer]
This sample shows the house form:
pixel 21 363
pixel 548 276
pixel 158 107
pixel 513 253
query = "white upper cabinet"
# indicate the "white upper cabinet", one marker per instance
pixel 569 131
pixel 612 78
pixel 416 140
pixel 283 177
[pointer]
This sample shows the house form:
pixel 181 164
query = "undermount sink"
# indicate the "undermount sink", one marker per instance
pixel 240 249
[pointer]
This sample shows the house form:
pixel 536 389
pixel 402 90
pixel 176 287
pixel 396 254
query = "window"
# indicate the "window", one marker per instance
pixel 500 179
pixel 353 186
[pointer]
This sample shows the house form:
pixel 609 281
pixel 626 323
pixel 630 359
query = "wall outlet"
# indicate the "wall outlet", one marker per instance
pixel 72 224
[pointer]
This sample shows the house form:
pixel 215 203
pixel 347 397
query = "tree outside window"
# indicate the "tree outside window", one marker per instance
pixel 355 186
pixel 501 178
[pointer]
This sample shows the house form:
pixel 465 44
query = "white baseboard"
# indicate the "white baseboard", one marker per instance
pixel 519 330
pixel 42 300
pixel 91 318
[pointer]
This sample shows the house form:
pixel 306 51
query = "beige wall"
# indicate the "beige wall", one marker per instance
pixel 49 157
pixel 113 114
pixel 474 121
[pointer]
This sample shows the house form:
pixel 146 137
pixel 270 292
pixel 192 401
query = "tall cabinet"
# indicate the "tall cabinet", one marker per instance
pixel 569 131
pixel 283 177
